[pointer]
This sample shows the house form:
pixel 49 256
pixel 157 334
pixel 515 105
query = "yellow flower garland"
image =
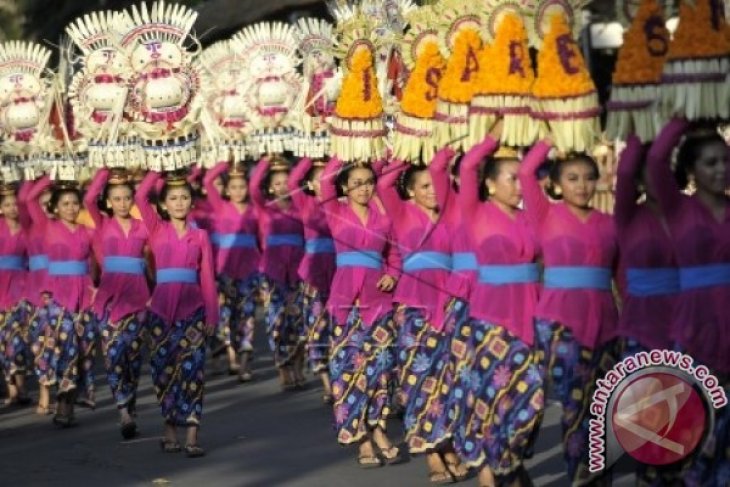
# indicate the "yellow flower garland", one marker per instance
pixel 360 98
pixel 421 91
pixel 696 36
pixel 641 59
pixel 561 69
pixel 460 77
pixel 500 75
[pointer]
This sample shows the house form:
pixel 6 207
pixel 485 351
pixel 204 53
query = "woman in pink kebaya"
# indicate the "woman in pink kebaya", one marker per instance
pixel 14 308
pixel 282 239
pixel 576 314
pixel 120 302
pixel 234 235
pixel 183 310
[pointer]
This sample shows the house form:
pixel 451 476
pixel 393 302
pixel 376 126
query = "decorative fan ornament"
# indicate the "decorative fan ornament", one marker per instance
pixel 224 110
pixel 273 85
pixel 565 95
pixel 316 40
pixel 543 11
pixel 460 44
pixel 505 81
pixel 357 129
pixel 414 123
pixel 163 84
pixel 98 91
pixel 696 75
pixel 638 73
pixel 25 101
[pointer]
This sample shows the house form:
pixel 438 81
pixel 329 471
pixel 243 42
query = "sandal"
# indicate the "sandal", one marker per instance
pixel 458 471
pixel 441 477
pixel 170 446
pixel 194 451
pixel 64 421
pixel 87 403
pixel 369 461
pixel 245 377
pixel 391 456
pixel 129 430
pixel 45 410
pixel 327 399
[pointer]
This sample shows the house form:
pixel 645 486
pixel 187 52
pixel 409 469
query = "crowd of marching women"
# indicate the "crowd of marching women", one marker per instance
pixel 406 196
pixel 464 287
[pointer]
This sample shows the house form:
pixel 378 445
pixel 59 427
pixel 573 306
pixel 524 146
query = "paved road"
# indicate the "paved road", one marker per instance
pixel 255 435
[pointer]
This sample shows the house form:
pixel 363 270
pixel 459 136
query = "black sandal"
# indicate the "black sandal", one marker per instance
pixel 388 457
pixel 129 430
pixel 194 451
pixel 170 446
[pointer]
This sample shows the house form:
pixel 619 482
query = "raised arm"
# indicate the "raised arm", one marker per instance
pixel 388 192
pixel 149 216
pixel 300 199
pixel 660 178
pixel 328 184
pixel 439 170
pixel 207 284
pixel 469 174
pixel 214 197
pixel 33 204
pixel 25 220
pixel 537 203
pixel 92 196
pixel 257 178
pixel 393 259
pixel 626 193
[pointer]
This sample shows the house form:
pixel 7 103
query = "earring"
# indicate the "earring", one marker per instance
pixel 411 194
pixel 491 190
pixel 557 190
pixel 691 186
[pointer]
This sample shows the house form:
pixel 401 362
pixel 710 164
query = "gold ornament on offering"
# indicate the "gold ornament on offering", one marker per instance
pixel 224 109
pixel 505 80
pixel 25 102
pixel 358 128
pixel 637 75
pixel 696 75
pixel 461 43
pixel 273 86
pixel 414 124
pixel 98 91
pixel 565 95
pixel 316 40
pixel 163 84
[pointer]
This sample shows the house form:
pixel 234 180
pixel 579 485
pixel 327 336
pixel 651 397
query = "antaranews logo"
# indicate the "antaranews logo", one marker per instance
pixel 653 405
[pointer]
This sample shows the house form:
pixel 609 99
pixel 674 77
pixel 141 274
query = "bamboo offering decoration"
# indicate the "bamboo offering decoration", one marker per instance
pixel 638 74
pixel 461 43
pixel 565 96
pixel 357 128
pixel 505 82
pixel 695 80
pixel 414 124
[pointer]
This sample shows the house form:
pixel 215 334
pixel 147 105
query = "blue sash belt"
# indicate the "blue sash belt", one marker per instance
pixel 370 259
pixel 320 246
pixel 578 277
pixel 124 265
pixel 464 261
pixel 288 239
pixel 652 282
pixel 11 263
pixel 68 268
pixel 230 240
pixel 177 275
pixel 419 261
pixel 704 276
pixel 498 275
pixel 38 262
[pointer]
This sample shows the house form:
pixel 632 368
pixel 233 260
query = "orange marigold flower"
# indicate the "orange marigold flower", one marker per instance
pixel 360 98
pixel 506 67
pixel 421 92
pixel 646 43
pixel 460 77
pixel 561 69
pixel 702 31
